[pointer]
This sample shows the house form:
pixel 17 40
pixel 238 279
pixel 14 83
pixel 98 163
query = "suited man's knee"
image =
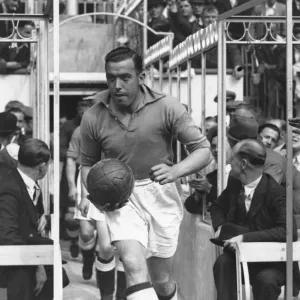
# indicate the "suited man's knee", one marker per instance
pixel 226 262
pixel 269 278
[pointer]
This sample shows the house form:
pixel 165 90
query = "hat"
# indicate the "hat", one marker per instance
pixel 229 96
pixel 28 112
pixel 14 104
pixel 211 133
pixel 152 3
pixel 241 128
pixel 8 122
pixel 228 231
pixel 232 105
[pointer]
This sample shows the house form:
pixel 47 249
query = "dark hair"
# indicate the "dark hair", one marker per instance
pixel 33 152
pixel 271 126
pixel 124 53
pixel 211 119
pixel 252 150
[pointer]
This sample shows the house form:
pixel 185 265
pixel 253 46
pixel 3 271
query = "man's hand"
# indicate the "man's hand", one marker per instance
pixel 84 207
pixel 295 122
pixel 73 193
pixel 163 174
pixel 41 278
pixel 42 224
pixel 238 72
pixel 231 244
pixel 200 185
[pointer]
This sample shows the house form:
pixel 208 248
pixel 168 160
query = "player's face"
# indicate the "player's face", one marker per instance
pixel 123 82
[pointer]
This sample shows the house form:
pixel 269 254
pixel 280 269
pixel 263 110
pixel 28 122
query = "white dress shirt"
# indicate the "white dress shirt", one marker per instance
pixel 249 192
pixel 270 11
pixel 30 184
pixel 296 161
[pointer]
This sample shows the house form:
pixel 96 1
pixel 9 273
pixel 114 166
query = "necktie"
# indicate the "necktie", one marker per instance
pixel 36 194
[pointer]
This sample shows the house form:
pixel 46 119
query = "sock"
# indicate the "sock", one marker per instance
pixel 142 291
pixel 105 275
pixel 172 296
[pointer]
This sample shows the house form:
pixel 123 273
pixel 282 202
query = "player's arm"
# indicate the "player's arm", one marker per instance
pixel 180 123
pixel 90 153
pixel 84 203
pixel 73 154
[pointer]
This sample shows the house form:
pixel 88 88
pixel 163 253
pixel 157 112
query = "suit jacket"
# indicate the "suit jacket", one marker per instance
pixel 18 215
pixel 275 166
pixel 266 218
pixel 6 159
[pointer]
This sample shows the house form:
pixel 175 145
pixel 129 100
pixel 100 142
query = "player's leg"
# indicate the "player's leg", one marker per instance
pixel 87 244
pixel 121 280
pixel 133 257
pixel 105 262
pixel 160 270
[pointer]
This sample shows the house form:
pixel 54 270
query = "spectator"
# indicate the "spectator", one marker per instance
pixel 182 20
pixel 247 128
pixel 269 135
pixel 157 20
pixel 236 30
pixel 15 57
pixel 13 104
pixel 280 146
pixel 296 149
pixel 28 112
pixel 10 6
pixel 22 221
pixel 268 8
pixel 198 6
pixel 296 8
pixel 8 128
pixel 251 209
pixel 18 112
pixel 234 59
pixel 210 122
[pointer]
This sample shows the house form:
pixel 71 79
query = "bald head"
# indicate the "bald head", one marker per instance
pixel 251 150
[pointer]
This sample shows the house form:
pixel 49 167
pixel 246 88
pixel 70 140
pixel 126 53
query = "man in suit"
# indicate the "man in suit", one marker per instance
pixel 22 221
pixel 256 203
pixel 241 128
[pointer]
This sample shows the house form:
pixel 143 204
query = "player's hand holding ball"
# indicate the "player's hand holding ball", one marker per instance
pixel 163 174
pixel 110 183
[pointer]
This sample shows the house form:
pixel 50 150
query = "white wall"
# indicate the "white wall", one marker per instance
pixel 14 87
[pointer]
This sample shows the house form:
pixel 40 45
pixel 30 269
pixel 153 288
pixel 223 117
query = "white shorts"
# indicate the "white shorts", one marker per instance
pixel 152 216
pixel 93 213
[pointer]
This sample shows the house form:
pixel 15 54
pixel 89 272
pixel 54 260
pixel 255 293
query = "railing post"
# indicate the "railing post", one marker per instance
pixel 289 173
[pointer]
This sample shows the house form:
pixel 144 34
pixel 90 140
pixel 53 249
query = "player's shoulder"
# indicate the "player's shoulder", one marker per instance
pixel 101 100
pixel 161 97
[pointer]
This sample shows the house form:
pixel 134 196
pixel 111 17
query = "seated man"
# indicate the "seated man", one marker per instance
pixel 22 221
pixel 253 207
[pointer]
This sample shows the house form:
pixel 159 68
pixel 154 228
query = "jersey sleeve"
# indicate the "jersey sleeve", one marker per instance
pixel 74 146
pixel 90 148
pixel 183 127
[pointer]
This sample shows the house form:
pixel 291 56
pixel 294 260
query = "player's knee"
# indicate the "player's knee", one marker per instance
pixel 86 234
pixel 105 251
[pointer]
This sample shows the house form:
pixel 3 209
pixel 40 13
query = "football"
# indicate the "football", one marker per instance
pixel 110 182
